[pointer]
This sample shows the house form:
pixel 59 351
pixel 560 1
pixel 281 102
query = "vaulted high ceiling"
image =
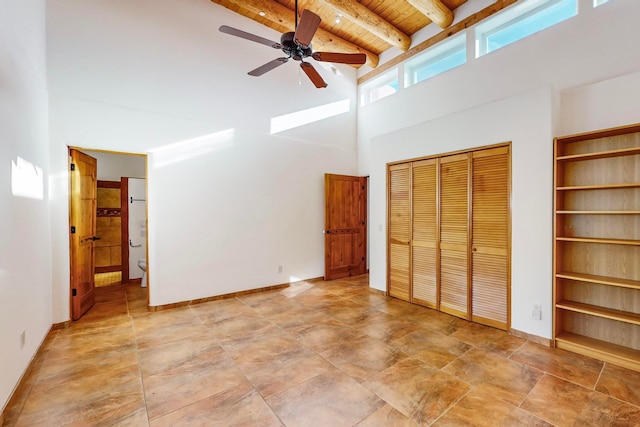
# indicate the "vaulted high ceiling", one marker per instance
pixel 352 26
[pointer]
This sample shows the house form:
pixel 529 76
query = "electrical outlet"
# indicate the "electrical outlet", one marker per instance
pixel 536 313
pixel 279 269
pixel 23 339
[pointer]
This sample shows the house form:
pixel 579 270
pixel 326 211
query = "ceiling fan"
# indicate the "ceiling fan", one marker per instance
pixel 297 45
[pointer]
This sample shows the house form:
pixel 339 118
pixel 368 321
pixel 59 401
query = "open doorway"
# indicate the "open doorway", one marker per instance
pixel 109 222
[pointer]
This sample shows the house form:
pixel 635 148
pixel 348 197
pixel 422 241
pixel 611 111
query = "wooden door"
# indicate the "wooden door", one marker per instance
pixel 82 221
pixel 490 237
pixel 424 238
pixel 399 250
pixel 454 234
pixel 345 242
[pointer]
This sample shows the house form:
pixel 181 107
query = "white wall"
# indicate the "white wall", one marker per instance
pixel 25 246
pixel 139 76
pixel 578 76
pixel 137 225
pixel 113 166
pixel 523 120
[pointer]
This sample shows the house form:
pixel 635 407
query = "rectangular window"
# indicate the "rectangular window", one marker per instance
pixel 523 19
pixel 380 87
pixel 444 56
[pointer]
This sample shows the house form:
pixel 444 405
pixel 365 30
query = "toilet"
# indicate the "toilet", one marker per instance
pixel 142 263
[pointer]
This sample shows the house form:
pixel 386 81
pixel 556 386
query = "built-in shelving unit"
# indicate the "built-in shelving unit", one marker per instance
pixel 597 245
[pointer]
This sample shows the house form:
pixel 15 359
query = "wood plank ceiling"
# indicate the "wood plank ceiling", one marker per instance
pixel 365 26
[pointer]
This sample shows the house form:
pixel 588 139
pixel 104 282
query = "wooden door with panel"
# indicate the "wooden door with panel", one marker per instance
pixel 345 241
pixel 82 219
pixel 454 235
pixel 490 260
pixel 424 233
pixel 399 229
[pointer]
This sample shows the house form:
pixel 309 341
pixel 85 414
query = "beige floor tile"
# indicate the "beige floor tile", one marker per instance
pixel 304 349
pixel 133 414
pixel 234 327
pixel 417 390
pixel 387 416
pixel 59 402
pixel 172 354
pixel 479 409
pixel 498 376
pixel 237 406
pixel 322 336
pixel 278 375
pixel 207 374
pixel 488 338
pixel 566 404
pixel 362 357
pixel 214 311
pixel 433 348
pixel 330 399
pixel 569 366
pixel 620 383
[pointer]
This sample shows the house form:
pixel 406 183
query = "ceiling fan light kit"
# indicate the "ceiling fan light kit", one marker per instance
pixel 296 45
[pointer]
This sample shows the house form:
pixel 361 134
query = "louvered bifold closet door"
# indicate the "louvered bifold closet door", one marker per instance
pixel 454 237
pixel 490 237
pixel 399 231
pixel 425 233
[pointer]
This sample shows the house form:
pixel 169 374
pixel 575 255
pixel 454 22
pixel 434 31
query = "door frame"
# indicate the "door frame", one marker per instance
pixel 146 177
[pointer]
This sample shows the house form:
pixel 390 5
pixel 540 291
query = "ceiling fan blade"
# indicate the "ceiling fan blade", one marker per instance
pixel 341 58
pixel 248 36
pixel 313 75
pixel 309 23
pixel 267 67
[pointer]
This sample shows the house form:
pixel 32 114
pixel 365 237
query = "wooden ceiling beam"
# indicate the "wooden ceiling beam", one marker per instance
pixel 370 21
pixel 323 39
pixel 435 10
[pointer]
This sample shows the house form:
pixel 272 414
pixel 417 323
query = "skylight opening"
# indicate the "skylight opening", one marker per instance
pixel 520 21
pixel 304 117
pixel 442 57
pixel 380 87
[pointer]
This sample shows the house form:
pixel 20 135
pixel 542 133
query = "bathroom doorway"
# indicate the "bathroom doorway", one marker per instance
pixel 120 217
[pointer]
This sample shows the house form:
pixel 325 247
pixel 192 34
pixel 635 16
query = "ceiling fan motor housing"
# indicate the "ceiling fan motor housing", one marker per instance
pixel 293 49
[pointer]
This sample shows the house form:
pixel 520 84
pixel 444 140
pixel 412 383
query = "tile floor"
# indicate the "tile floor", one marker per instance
pixel 322 353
